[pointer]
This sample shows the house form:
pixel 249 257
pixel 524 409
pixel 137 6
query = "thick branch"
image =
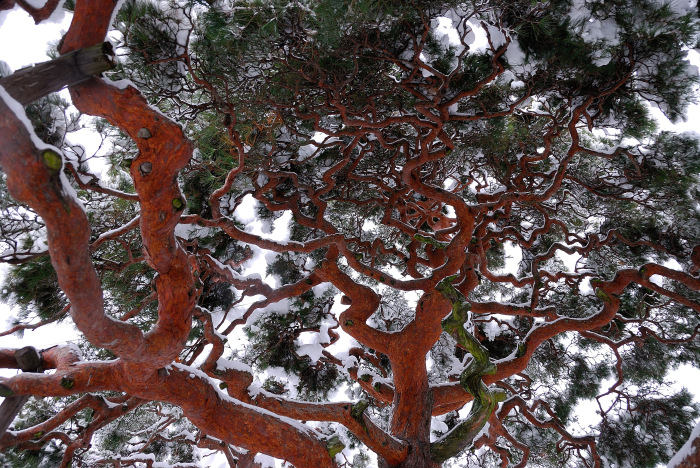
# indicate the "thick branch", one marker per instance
pixel 32 83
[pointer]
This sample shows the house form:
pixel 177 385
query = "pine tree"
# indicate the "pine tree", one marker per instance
pixel 340 233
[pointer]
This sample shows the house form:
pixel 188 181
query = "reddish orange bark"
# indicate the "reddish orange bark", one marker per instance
pixel 135 373
pixel 146 370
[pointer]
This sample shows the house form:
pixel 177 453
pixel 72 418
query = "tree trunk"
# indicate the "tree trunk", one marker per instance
pixel 415 459
pixel 413 404
pixel 413 398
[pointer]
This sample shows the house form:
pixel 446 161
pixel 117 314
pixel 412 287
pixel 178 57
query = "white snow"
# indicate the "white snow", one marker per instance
pixel 436 425
pixel 682 7
pixel 686 450
pixel 657 280
pixel 121 84
pixel 14 27
pixel 492 329
pixel 265 461
pixel 311 344
pixel 224 364
pixel 117 7
pixel 476 39
pixel 514 54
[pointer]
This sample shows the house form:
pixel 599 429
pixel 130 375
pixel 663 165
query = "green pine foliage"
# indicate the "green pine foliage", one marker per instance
pixel 326 103
pixel 649 430
pixel 273 345
pixel 33 288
